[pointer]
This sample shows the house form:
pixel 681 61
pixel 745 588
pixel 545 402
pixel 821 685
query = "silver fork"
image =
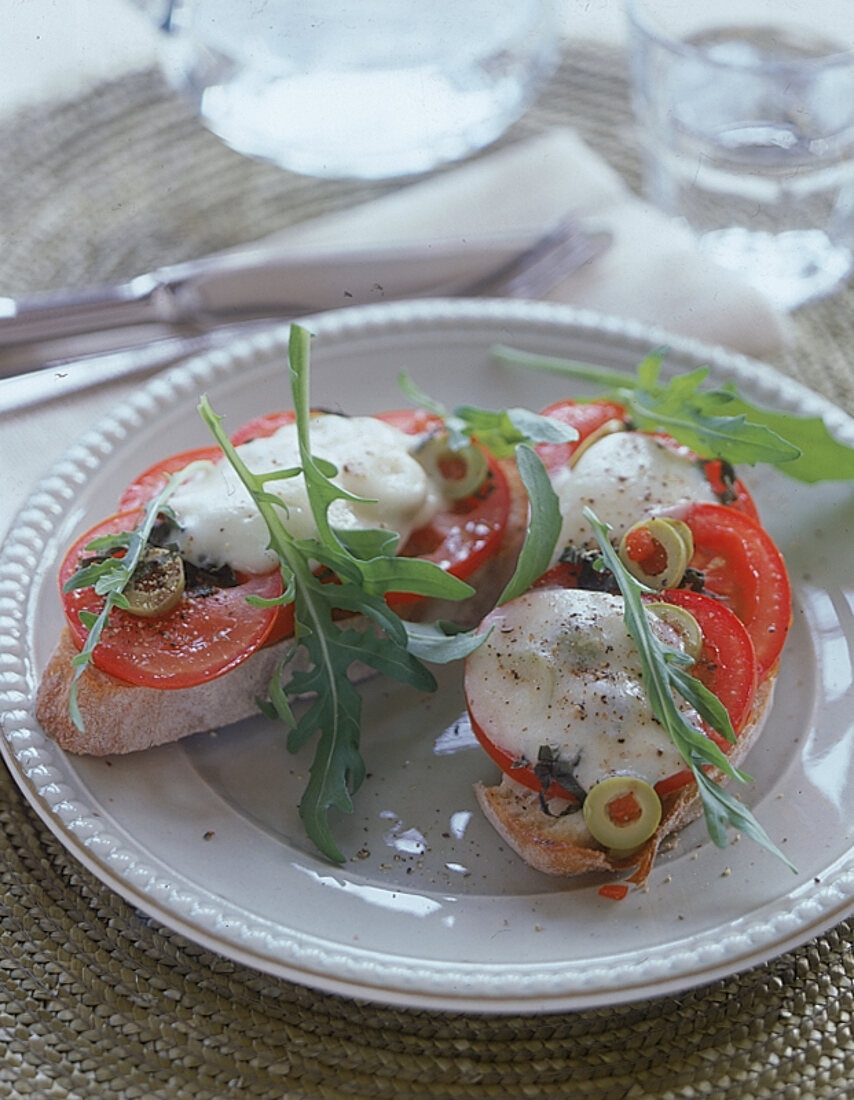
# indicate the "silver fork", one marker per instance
pixel 533 273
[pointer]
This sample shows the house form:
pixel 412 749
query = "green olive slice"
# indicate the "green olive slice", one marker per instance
pixel 157 583
pixel 683 622
pixel 622 812
pixel 608 428
pixel 460 471
pixel 670 549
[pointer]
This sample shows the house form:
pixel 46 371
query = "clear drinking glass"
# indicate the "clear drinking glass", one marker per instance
pixel 747 113
pixel 359 88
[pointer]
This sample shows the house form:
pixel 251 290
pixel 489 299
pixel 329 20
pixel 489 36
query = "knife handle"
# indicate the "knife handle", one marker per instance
pixel 56 314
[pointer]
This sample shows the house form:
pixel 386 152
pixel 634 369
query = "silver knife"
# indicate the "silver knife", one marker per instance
pixel 55 344
pixel 263 281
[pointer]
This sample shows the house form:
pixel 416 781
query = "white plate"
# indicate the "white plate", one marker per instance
pixel 431 910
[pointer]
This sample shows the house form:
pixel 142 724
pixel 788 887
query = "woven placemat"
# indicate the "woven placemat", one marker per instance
pixel 96 999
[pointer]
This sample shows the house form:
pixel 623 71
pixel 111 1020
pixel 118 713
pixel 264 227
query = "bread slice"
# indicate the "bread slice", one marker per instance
pixel 564 846
pixel 120 717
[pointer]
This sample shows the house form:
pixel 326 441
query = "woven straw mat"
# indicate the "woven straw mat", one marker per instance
pixel 97 1000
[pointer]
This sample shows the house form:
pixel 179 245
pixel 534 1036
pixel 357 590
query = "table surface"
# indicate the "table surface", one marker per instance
pixel 171 1019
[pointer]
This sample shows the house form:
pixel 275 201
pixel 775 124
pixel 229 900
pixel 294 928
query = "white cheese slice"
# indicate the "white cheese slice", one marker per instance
pixel 220 524
pixel 624 477
pixel 559 668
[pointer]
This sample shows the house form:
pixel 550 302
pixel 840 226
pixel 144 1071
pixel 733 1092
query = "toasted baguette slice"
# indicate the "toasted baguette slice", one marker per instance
pixel 120 717
pixel 564 846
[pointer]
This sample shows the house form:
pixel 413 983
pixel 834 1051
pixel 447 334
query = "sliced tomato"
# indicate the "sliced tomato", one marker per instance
pixel 207 634
pixel 151 481
pixel 411 421
pixel 460 538
pixel 743 568
pixel 468 532
pixel 261 427
pixel 730 491
pixel 726 665
pixel 586 418
pixel 522 772
pixel 589 417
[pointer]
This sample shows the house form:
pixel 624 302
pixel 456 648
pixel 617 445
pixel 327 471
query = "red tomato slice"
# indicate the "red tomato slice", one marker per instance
pixel 151 481
pixel 522 773
pixel 459 539
pixel 726 665
pixel 468 532
pixel 746 571
pixel 588 417
pixel 585 417
pixel 260 427
pixel 736 493
pixel 200 639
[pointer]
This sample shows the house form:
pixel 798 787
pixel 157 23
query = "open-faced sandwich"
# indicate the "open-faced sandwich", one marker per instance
pixel 678 577
pixel 198 634
pixel 289 560
pixel 619 605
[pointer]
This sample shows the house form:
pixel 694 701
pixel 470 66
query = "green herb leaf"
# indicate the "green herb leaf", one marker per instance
pixel 821 458
pixel 441 643
pixel 661 677
pixel 544 524
pixel 715 423
pixel 365 569
pixel 500 431
pixel 109 576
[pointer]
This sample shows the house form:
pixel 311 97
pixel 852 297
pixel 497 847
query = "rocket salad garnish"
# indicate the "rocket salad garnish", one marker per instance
pixel 714 423
pixel 664 672
pixel 367 568
pixel 113 559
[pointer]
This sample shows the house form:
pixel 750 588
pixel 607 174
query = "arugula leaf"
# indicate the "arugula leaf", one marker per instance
pixel 662 675
pixel 544 524
pixel 820 452
pixel 509 432
pixel 715 423
pixel 441 643
pixel 500 431
pixel 366 568
pixel 110 575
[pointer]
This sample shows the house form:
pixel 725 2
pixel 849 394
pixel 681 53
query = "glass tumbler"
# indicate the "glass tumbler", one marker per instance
pixel 746 109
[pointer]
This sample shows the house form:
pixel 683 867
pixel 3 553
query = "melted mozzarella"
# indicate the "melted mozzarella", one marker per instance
pixel 220 524
pixel 559 668
pixel 624 477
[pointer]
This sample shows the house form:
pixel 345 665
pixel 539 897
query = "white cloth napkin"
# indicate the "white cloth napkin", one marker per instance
pixel 652 272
